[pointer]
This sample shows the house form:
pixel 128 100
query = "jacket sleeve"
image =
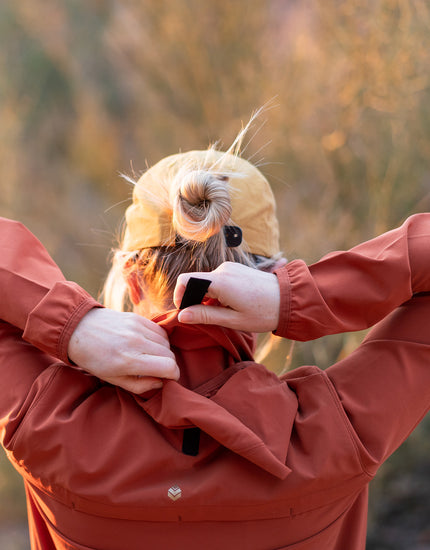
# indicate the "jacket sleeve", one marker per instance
pixel 352 290
pixel 68 433
pixel 35 297
pixel 384 385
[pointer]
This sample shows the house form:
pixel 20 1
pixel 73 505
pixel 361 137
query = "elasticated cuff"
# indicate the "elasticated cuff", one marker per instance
pixel 285 302
pixel 52 322
pixel 292 278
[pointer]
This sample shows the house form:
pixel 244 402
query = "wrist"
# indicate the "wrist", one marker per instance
pixel 284 301
pixel 79 333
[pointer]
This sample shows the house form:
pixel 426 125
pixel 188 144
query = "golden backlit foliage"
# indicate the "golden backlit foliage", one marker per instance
pixel 92 88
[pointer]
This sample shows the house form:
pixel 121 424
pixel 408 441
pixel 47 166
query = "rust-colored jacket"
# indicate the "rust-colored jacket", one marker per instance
pixel 240 460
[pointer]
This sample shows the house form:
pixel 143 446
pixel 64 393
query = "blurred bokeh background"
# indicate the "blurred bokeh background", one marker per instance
pixel 90 89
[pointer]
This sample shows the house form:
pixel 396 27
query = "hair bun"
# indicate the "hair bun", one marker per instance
pixel 201 204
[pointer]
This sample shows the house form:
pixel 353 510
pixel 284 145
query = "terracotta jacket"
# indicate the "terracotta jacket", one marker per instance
pixel 242 460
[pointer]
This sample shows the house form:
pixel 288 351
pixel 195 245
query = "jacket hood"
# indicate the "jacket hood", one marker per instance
pixel 222 391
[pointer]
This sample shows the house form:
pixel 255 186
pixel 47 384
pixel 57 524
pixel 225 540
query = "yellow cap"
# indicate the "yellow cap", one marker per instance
pixel 149 217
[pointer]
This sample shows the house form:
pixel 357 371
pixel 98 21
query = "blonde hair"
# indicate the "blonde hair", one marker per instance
pixel 201 207
pixel 201 204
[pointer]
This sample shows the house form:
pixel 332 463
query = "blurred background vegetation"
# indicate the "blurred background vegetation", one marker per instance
pixel 93 88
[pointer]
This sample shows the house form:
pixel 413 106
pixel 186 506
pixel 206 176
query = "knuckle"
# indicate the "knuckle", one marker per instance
pixel 171 355
pixel 227 267
pixel 204 316
pixel 182 279
pixel 172 370
pixel 222 268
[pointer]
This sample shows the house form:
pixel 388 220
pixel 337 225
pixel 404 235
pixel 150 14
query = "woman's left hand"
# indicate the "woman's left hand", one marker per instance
pixel 123 349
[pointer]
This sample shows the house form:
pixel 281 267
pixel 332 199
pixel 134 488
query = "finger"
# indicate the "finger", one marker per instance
pixel 210 315
pixel 182 282
pixel 179 291
pixel 146 347
pixel 155 332
pixel 144 384
pixel 142 354
pixel 136 384
pixel 154 365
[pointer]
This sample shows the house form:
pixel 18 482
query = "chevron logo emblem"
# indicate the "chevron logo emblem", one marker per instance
pixel 174 493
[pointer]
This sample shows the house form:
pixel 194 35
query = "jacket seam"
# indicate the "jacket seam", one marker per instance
pixel 341 413
pixel 75 501
pixel 33 404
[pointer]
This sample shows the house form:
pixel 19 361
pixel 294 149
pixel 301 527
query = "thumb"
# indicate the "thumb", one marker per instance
pixel 209 315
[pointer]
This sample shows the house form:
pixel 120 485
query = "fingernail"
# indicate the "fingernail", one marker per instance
pixel 185 316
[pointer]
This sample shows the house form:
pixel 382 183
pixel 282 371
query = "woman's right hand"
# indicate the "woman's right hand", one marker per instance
pixel 250 298
pixel 123 349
